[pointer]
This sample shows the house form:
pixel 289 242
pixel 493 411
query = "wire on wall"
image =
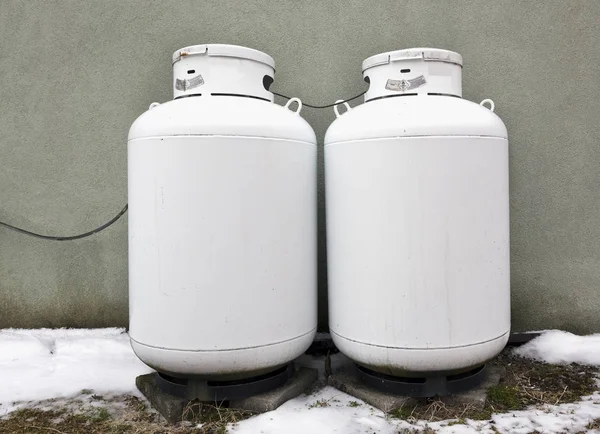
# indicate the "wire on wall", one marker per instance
pixel 124 210
pixel 71 237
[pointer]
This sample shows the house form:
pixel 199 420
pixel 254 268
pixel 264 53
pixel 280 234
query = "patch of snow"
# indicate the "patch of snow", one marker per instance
pixel 41 364
pixel 331 411
pixel 560 347
pixel 54 366
pixel 326 411
pixel 564 418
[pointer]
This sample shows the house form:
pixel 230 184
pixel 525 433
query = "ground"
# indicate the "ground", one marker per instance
pixel 82 381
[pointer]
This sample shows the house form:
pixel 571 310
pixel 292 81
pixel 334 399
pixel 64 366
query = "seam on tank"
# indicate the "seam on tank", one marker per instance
pixel 423 136
pixel 229 349
pixel 421 349
pixel 228 136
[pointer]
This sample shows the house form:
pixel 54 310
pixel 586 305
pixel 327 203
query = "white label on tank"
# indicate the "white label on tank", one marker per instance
pixel 439 68
pixel 184 85
pixel 404 85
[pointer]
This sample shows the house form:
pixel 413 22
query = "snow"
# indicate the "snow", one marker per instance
pixel 572 417
pixel 37 365
pixel 304 415
pixel 560 347
pixel 326 411
pixel 42 364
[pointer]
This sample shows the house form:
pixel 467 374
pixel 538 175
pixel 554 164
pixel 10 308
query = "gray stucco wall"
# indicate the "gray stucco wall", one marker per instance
pixel 75 74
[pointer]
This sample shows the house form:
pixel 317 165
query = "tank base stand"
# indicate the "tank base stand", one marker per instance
pixel 173 407
pixel 351 382
pixel 218 391
pixel 422 387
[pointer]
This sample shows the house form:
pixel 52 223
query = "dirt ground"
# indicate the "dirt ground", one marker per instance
pixel 527 383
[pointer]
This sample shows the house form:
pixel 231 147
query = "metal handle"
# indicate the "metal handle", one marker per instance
pixel 490 102
pixel 335 107
pixel 297 100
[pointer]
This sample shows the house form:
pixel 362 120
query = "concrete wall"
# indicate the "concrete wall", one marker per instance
pixel 75 74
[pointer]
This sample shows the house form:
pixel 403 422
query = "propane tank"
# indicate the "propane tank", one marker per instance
pixel 222 221
pixel 418 220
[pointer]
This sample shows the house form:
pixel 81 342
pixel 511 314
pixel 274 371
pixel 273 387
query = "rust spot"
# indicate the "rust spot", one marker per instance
pixel 183 53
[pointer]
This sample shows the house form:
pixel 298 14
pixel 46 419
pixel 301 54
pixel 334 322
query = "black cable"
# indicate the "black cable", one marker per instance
pixel 69 238
pixel 124 210
pixel 322 106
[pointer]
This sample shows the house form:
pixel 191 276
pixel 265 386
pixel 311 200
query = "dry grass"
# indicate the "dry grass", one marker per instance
pixel 214 419
pixel 595 424
pixel 527 383
pixel 135 418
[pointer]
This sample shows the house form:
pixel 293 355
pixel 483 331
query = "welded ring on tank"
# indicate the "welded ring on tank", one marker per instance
pixel 423 387
pixel 222 391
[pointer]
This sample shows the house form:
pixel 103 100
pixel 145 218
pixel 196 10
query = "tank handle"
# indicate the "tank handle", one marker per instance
pixel 335 107
pixel 488 101
pixel 296 100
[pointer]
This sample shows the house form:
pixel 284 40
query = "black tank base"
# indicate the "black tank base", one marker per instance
pixel 223 391
pixel 422 387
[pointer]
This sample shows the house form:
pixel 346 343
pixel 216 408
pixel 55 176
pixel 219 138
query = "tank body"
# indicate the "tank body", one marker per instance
pixel 222 222
pixel 418 221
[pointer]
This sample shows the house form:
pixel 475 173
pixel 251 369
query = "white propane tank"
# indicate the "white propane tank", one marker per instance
pixel 418 221
pixel 222 221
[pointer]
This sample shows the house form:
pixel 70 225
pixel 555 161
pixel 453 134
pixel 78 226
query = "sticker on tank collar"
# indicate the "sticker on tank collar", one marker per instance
pixel 404 85
pixel 191 83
